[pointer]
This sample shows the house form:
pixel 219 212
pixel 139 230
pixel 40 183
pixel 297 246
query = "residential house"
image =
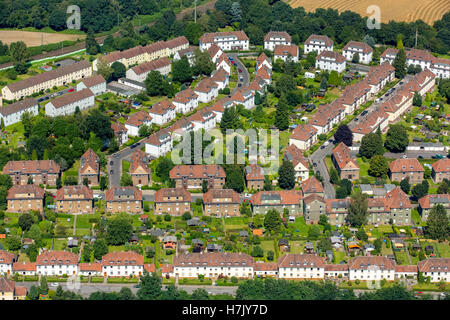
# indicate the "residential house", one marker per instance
pixel 140 72
pixel 397 202
pixel 411 169
pixel 265 269
pixel 388 55
pixel 263 60
pixel 136 121
pixel 438 269
pixel 97 84
pixel 120 131
pixel 301 266
pixel 203 119
pixel 90 269
pixel 124 199
pixel 440 170
pixel 47 80
pixel 330 60
pixel 312 186
pixel 226 41
pixel 221 78
pixel 371 268
pixel 254 177
pixel 213 265
pixel 7 259
pixel 158 144
pixel 12 113
pixel 9 290
pixel 286 53
pixel 44 172
pixel 299 161
pixel 122 264
pixel 189 53
pixel 221 202
pixel 429 201
pixel 25 198
pixel 363 50
pixel 290 200
pixel 68 104
pixel 346 166
pixel 139 170
pixel 75 200
pixel 174 201
pixel 314 206
pixel 185 101
pixel 304 136
pixel 24 268
pixel 370 124
pixel 214 52
pixel 318 43
pixel 276 38
pixel 162 112
pixel 57 263
pixel 90 168
pixel 207 90
pixel 336 271
pixel 192 176
pixel 336 210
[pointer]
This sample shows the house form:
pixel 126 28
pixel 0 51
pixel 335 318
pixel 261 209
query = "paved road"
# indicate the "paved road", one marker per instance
pixel 318 156
pixel 360 67
pixel 115 162
pixel 244 74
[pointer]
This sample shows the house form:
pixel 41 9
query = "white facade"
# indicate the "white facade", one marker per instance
pixel 207 96
pixel 69 108
pixel 162 118
pixel 192 271
pixel 6 268
pixel 364 57
pixel 96 89
pixel 185 107
pixel 226 42
pixel 158 147
pixel 275 41
pixel 317 46
pixel 224 65
pixel 374 273
pixel 15 116
pixel 330 64
pixel 141 76
pixel 301 272
pixel 122 270
pixel 57 269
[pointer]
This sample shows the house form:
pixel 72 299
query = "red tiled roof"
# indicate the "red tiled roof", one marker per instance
pixel 56 257
pixel 285 50
pixel 67 99
pixel 312 185
pixel 20 291
pixel 197 171
pixel 328 42
pixel 313 197
pixel 138 118
pixel 213 195
pixel 185 96
pixel 442 165
pixel 209 37
pixel 166 268
pixel 162 107
pixel 434 265
pixel 303 132
pixel 121 258
pixel 296 156
pixel 6 285
pixel 67 192
pixel 288 197
pixel 405 269
pixel 389 51
pixel 93 81
pixel 137 161
pixel 31 166
pixel 336 267
pixel 151 65
pixel 366 263
pixel 397 199
pixel 118 127
pixel 301 261
pixel 277 34
pixel 90 159
pixel 417 54
pixel 181 195
pixel 213 50
pixel 150 268
pixel 96 267
pixel 425 202
pixel 371 123
pixel 356 44
pixel 206 85
pixel 343 156
pixel 336 203
pixel 7 257
pixel 24 266
pixel 8 109
pixel 406 165
pixel 254 172
pixel 17 190
pixel 216 259
pixel 339 58
pixel 265 266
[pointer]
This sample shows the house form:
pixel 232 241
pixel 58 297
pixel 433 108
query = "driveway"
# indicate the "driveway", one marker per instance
pixel 318 157
pixel 115 162
pixel 244 74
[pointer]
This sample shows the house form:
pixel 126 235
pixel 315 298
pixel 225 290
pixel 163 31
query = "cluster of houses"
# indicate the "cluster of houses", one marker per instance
pixel 227 264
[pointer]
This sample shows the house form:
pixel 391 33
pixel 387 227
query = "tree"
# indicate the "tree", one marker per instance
pixel 119 231
pixel 200 294
pixel 324 244
pixel 151 287
pixel 282 114
pixel 334 79
pixel 154 83
pixel 257 252
pixel 181 70
pixel 355 58
pixel 87 251
pixel 405 186
pixel 203 64
pixel 44 286
pixel 245 209
pixel 230 120
pixel 186 216
pixel 362 235
pixel 286 175
pixel 20 54
pixel 34 293
pixel 13 243
pixel 100 248
pixel 163 168
pixel 26 220
pixel 400 64
pixel 357 212
pixel 344 134
pixel 341 193
pixel 378 166
pixel 417 99
pixel 272 221
pixel 347 185
pixel 119 70
pixel 443 187
pixel 236 12
pixel 204 186
pixel 103 183
pixel 371 145
pixel 126 180
pixel 396 138
pixel 235 178
pixel 104 69
pixel 310 59
pixel 420 190
pixel 267 184
pixel 92 47
pixel 314 232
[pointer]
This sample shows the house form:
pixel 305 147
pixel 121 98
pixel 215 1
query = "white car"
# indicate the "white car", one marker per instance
pixel 54 284
pixel 405 156
pixel 247 195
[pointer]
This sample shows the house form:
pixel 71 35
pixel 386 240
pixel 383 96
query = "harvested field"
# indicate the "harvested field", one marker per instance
pixel 401 10
pixel 33 39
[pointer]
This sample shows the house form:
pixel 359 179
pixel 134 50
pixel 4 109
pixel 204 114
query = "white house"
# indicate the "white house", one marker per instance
pixel 318 44
pixel 189 53
pixel 263 60
pixel 221 77
pixel 233 40
pixel 90 269
pixel 371 268
pixel 361 48
pixel 301 266
pixel 245 97
pixel 300 163
pixel 67 104
pixel 12 113
pixel 185 101
pixel 120 131
pixel 437 269
pixel 6 262
pixel 140 72
pixel 223 62
pixel 24 268
pixel 57 263
pixel 214 52
pixel 203 119
pixel 162 112
pixel 122 264
pixel 158 144
pixel 330 60
pixel 276 38
pixel 265 269
pixel 441 68
pixel 136 121
pixel 388 55
pixel 207 90
pixel 96 83
pixel 286 53
pixel 304 136
pixel 213 265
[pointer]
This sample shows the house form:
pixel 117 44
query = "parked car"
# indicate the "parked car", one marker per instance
pixel 240 70
pixel 364 113
pixel 111 172
pixel 111 163
pixel 405 156
pixel 71 90
pixel 315 164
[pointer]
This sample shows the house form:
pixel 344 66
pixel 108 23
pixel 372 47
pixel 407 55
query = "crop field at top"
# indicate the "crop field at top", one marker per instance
pixel 33 39
pixel 398 10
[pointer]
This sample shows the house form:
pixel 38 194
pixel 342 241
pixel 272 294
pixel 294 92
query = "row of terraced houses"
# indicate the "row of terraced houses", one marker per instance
pixel 229 264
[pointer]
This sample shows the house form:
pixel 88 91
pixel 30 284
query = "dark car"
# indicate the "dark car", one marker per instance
pixel 420 157
pixel 240 70
pixel 40 99
pixel 239 84
pixel 111 163
pixel 133 146
pixel 315 164
pixel 111 172
pixel 364 113
pixel 137 286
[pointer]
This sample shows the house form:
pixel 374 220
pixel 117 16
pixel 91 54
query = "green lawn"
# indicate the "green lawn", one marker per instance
pixel 401 257
pixel 267 245
pixel 340 256
pixel 125 166
pixel 301 226
pixel 430 287
pixel 443 249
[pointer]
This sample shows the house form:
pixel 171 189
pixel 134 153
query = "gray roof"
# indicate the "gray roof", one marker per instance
pixel 309 245
pixel 18 106
pixel 439 200
pixel 271 196
pixel 340 204
pixel 365 187
pixel 426 144
pixel 243 233
pixel 120 192
pixel 170 239
pixel 157 232
pixel 197 241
